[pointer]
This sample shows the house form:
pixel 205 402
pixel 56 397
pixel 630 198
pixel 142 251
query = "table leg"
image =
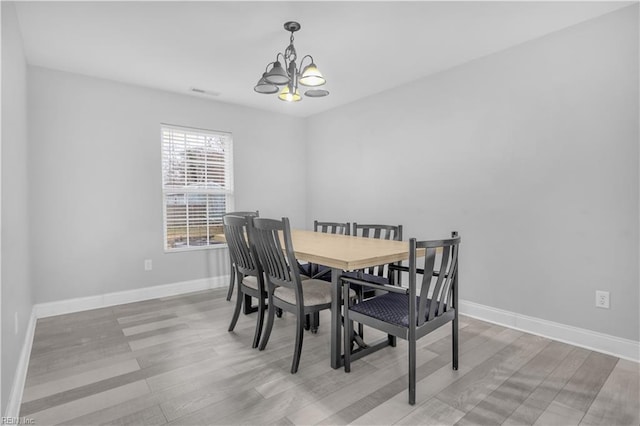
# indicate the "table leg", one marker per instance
pixel 336 318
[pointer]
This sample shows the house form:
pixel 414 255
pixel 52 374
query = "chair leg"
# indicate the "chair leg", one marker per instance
pixel 236 312
pixel 315 322
pixel 392 340
pixel 259 322
pixel 232 281
pixel 298 346
pixel 267 331
pixel 348 330
pixel 412 371
pixel 307 322
pixel 360 326
pixel 454 334
pixel 248 308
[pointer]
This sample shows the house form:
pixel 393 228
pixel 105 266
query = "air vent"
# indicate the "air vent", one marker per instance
pixel 204 92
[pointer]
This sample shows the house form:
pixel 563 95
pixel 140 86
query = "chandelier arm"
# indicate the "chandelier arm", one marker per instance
pixel 302 61
pixel 266 69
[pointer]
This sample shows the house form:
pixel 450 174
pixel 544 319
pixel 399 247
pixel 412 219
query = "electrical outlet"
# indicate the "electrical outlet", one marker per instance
pixel 148 265
pixel 602 299
pixel 15 323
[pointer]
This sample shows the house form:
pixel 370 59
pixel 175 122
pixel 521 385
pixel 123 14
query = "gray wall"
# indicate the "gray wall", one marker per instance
pixel 95 181
pixel 16 286
pixel 530 153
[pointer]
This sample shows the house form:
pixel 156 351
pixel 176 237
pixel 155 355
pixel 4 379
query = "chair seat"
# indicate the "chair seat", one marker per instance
pixel 314 292
pixel 250 281
pixel 392 308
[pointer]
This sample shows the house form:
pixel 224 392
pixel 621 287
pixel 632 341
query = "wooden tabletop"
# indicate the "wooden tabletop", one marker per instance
pixel 346 252
pixel 343 251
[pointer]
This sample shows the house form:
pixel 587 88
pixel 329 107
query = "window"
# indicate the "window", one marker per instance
pixel 197 185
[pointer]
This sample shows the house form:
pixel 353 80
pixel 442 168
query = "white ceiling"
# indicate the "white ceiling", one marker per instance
pixel 362 48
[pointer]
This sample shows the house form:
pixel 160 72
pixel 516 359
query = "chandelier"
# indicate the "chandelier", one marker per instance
pixel 290 76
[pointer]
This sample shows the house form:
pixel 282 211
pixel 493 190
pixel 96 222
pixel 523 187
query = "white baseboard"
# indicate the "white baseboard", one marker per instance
pixel 600 342
pixel 20 376
pixel 43 310
pixel 79 304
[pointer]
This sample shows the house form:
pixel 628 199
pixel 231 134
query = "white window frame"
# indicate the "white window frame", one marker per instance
pixel 174 140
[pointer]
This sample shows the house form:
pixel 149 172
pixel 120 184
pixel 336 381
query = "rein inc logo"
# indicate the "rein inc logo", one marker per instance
pixel 18 421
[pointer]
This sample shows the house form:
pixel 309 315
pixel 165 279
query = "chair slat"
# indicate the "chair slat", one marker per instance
pixel 386 232
pixel 437 295
pixel 451 275
pixel 430 259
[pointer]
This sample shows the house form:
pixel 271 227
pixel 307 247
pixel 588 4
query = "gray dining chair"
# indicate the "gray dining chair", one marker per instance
pixel 380 274
pixel 232 270
pixel 313 270
pixel 248 271
pixel 411 313
pixel 285 288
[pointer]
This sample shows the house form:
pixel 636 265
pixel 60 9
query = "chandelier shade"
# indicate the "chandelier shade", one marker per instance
pixel 287 96
pixel 316 93
pixel 277 75
pixel 311 76
pixel 290 75
pixel 265 87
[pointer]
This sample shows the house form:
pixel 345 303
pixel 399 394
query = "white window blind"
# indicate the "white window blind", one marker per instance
pixel 197 185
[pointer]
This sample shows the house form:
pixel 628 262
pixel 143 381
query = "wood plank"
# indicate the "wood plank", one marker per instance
pixel 504 400
pixel 538 401
pixel 432 413
pixel 558 414
pixel 32 393
pixel 439 375
pixel 619 393
pixel 148 416
pixel 101 386
pixel 472 388
pixel 69 410
pixel 585 384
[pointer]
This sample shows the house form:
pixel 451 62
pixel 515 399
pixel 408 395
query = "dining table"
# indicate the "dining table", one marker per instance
pixel 344 253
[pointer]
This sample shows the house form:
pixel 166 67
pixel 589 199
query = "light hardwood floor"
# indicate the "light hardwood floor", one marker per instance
pixel 172 361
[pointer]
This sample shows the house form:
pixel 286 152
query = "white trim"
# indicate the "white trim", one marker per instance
pixel 600 342
pixel 20 376
pixel 43 310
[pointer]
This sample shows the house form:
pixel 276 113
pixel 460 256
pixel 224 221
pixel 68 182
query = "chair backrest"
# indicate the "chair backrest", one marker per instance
pixel 242 253
pixel 383 232
pixel 332 227
pixel 439 272
pixel 280 266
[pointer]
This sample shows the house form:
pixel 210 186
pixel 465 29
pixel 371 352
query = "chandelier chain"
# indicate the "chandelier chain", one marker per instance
pixel 290 53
